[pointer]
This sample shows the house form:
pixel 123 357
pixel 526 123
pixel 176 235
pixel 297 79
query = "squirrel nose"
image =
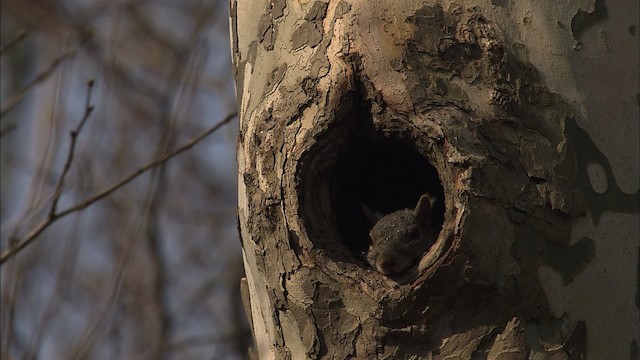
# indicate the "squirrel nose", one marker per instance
pixel 386 266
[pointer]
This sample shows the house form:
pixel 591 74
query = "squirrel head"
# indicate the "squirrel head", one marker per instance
pixel 399 239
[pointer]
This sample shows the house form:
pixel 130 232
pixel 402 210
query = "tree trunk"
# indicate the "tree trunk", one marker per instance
pixel 520 118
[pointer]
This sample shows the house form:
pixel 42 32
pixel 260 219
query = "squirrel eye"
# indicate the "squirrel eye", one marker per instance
pixel 415 233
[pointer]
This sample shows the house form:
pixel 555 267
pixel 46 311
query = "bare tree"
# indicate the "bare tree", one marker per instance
pixel 522 118
pixel 118 203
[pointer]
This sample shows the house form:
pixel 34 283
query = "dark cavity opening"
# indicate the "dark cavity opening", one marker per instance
pixel 386 176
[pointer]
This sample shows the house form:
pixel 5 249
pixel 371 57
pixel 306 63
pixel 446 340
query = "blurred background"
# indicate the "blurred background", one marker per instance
pixel 150 270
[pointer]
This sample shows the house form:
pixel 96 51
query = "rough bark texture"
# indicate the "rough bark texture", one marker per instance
pixel 503 111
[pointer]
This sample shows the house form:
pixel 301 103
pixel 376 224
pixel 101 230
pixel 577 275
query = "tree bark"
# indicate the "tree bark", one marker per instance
pixel 522 118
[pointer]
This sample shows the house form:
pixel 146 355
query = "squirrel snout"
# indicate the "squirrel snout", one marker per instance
pixel 389 265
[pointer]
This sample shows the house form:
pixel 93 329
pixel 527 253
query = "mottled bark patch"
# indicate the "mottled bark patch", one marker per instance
pixel 445 107
pixel 310 31
pixel 583 20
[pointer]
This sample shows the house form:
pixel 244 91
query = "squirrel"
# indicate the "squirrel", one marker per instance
pixel 399 239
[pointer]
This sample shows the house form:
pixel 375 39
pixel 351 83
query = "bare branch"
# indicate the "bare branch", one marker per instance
pixel 7 129
pixel 199 341
pixel 20 244
pixel 15 41
pixel 84 345
pixel 16 97
pixel 52 306
pixel 74 138
pixel 12 278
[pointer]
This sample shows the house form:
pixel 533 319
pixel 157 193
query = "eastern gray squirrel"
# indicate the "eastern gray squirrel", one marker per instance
pixel 399 239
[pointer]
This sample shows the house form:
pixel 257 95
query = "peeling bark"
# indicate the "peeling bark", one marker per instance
pixel 351 102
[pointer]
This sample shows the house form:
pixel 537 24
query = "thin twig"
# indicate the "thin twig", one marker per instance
pixel 197 341
pixel 157 265
pixel 13 42
pixel 16 97
pixel 7 129
pixel 13 275
pixel 19 245
pixel 88 109
pixel 152 32
pixel 52 306
pixel 84 345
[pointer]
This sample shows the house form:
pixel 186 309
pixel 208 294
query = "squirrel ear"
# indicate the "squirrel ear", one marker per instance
pixel 423 209
pixel 372 216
